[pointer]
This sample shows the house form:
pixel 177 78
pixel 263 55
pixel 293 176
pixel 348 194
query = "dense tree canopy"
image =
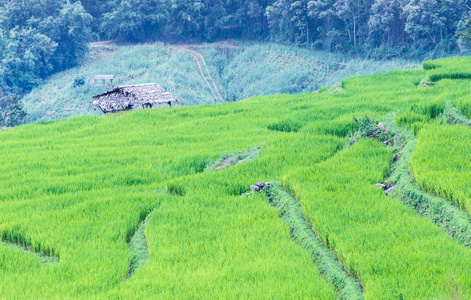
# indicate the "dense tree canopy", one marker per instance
pixel 388 27
pixel 39 37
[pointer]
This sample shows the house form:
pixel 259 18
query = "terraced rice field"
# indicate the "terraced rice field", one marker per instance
pixel 133 205
pixel 442 162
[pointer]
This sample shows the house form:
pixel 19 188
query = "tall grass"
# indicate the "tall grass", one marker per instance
pixel 244 70
pixel 172 69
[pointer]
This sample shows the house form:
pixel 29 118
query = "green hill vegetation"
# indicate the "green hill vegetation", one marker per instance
pixel 156 203
pixel 198 74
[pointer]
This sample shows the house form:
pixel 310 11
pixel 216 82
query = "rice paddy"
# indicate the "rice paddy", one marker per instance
pixel 80 189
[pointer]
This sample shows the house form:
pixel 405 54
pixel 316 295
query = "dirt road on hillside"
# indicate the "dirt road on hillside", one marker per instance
pixel 200 64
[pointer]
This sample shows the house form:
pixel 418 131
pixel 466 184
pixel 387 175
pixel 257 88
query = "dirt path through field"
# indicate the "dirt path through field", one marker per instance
pixel 105 44
pixel 200 63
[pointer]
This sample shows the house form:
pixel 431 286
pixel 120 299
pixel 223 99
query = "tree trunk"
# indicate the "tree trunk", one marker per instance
pixel 307 34
pixel 354 30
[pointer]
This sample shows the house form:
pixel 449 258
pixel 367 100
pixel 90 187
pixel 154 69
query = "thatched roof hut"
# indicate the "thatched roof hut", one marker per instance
pixel 125 97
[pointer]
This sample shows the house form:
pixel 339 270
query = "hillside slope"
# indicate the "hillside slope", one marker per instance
pixel 84 191
pixel 198 74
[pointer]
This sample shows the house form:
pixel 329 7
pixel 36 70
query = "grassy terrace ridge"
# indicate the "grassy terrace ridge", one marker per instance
pixel 443 212
pixel 138 247
pixel 44 258
pixel 199 74
pixel 290 211
pixel 81 187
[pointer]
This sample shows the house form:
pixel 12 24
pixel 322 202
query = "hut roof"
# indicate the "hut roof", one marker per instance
pixel 123 96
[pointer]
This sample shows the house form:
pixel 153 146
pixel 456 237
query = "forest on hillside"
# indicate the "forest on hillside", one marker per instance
pixel 41 37
pixel 374 28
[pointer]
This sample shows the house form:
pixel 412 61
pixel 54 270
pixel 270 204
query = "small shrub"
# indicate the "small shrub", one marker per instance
pixel 425 82
pixel 336 88
pixel 371 128
pixel 366 125
pixel 79 81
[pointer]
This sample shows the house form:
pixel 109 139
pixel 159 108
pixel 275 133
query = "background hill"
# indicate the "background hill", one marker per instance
pixel 199 74
pixel 39 38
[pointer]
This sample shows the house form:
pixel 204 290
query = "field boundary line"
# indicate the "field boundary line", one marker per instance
pixel 45 258
pixel 453 116
pixel 290 211
pixel 441 211
pixel 138 247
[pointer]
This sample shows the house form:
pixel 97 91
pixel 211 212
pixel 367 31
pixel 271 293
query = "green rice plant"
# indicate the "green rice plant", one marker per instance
pixel 341 126
pixel 291 213
pixel 410 117
pixel 452 220
pixel 230 159
pixel 430 65
pixel 80 187
pixel 138 247
pixel 177 189
pixel 442 162
pixel 287 125
pixel 448 68
pixel 368 230
pixel 46 259
pixel 464 106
